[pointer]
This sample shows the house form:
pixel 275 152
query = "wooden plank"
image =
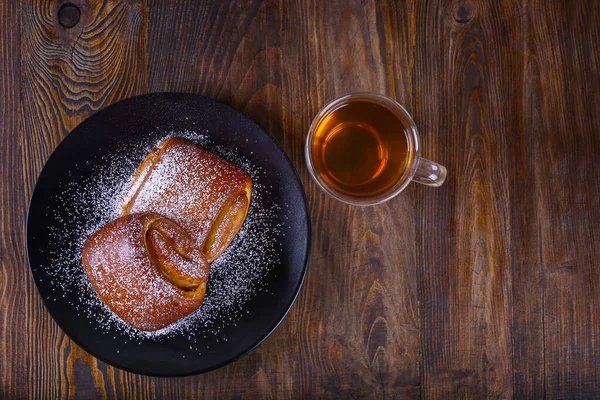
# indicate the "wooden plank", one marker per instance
pixel 13 271
pixel 357 318
pixel 67 74
pixel 463 72
pixel 525 240
pixel 566 147
pixel 228 51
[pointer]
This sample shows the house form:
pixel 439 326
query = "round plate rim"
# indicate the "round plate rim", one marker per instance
pixel 304 266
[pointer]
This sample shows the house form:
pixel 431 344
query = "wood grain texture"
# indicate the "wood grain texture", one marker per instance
pixel 525 241
pixel 229 51
pixel 465 261
pixel 484 288
pixel 67 74
pixel 364 259
pixel 13 275
pixel 568 144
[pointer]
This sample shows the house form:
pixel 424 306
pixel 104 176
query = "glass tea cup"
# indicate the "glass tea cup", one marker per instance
pixel 363 149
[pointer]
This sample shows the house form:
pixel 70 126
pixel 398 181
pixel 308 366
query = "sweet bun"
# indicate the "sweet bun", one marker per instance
pixel 205 194
pixel 146 269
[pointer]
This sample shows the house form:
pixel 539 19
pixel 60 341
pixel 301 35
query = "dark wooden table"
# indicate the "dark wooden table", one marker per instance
pixel 486 287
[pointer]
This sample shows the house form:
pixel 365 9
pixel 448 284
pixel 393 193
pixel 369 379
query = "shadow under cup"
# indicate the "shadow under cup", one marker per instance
pixel 363 149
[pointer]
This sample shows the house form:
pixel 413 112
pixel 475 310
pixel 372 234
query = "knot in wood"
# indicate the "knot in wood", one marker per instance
pixel 68 15
pixel 464 14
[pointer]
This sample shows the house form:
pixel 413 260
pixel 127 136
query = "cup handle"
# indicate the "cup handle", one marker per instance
pixel 430 173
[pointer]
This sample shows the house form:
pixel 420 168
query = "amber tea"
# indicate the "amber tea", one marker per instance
pixel 361 148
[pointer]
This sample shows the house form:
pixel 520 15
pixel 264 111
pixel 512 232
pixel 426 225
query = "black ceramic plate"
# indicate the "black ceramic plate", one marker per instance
pixel 118 133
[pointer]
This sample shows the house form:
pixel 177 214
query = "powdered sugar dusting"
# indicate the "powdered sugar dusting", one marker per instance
pixel 235 277
pixel 188 185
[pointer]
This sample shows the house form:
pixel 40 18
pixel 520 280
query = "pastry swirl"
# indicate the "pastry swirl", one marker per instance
pixel 205 194
pixel 146 269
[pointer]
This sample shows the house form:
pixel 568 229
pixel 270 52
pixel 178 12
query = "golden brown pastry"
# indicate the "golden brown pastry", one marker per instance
pixel 146 269
pixel 205 194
